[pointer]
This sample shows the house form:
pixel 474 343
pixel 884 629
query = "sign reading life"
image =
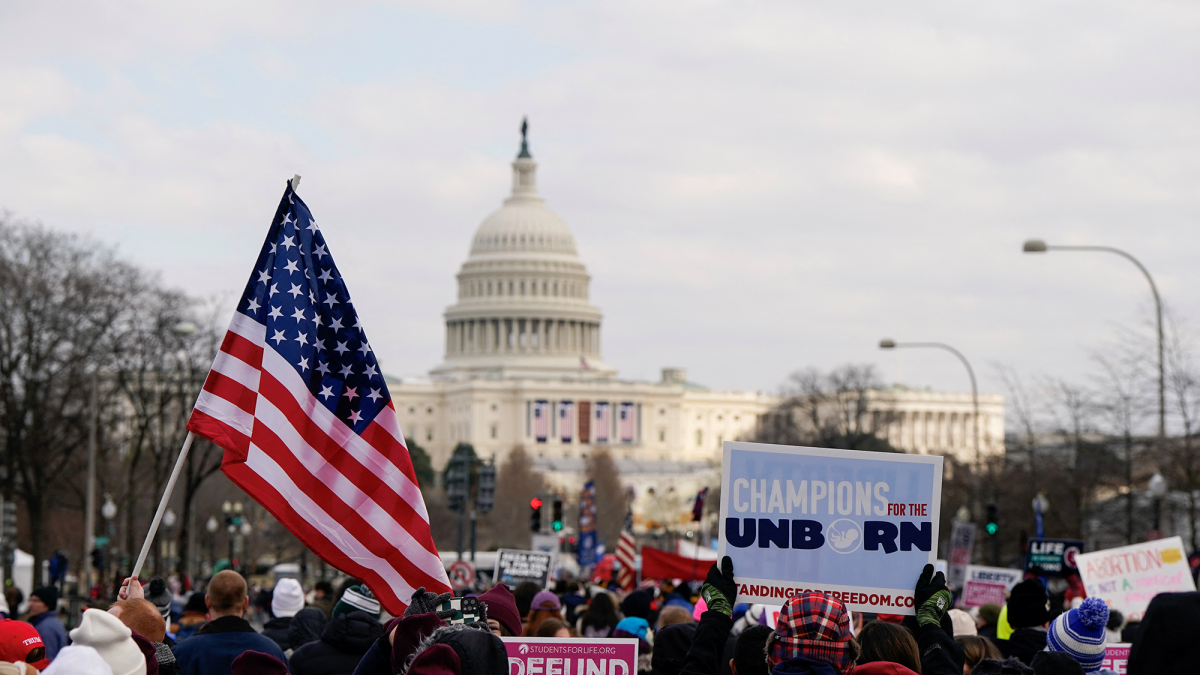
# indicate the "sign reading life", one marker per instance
pixel 857 525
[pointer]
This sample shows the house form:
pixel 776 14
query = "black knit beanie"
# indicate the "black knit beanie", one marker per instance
pixel 1028 605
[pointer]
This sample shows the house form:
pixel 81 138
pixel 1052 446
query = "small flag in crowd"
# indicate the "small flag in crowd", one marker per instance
pixel 296 399
pixel 626 554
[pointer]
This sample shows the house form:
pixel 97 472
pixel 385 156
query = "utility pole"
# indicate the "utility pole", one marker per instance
pixel 89 515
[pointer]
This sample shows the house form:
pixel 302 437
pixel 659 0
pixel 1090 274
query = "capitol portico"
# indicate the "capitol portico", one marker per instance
pixel 523 367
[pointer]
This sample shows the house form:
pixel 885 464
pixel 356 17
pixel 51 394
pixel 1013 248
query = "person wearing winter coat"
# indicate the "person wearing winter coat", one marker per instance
pixel 1081 634
pixel 1029 615
pixel 195 615
pixel 402 635
pixel 307 626
pixel 887 643
pixel 286 600
pixel 43 615
pixel 346 638
pixel 227 635
pixel 1168 641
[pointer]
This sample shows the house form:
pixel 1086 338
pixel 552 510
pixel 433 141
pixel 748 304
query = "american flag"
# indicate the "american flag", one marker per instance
pixel 296 399
pixel 541 420
pixel 566 416
pixel 626 553
pixel 603 423
pixel 627 422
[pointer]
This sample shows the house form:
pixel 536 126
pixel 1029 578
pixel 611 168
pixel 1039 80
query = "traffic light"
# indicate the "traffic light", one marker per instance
pixel 98 558
pixel 993 520
pixel 458 480
pixel 557 520
pixel 535 515
pixel 8 522
pixel 485 498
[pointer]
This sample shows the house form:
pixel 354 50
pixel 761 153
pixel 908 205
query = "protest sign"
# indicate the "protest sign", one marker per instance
pixel 988 584
pixel 856 525
pixel 513 567
pixel 1055 557
pixel 962 538
pixel 1127 578
pixel 571 656
pixel 1116 659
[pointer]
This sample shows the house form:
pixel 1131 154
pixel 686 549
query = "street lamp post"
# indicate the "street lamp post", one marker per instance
pixel 1041 506
pixel 892 344
pixel 109 511
pixel 1158 490
pixel 212 526
pixel 1039 246
pixel 166 555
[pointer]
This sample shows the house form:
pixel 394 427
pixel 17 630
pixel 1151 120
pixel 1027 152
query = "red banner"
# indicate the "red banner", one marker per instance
pixel 658 564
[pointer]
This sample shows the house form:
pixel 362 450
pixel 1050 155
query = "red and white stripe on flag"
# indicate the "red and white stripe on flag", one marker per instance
pixel 296 399
pixel 626 554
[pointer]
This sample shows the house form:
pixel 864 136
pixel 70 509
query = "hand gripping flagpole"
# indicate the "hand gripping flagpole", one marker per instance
pixel 162 505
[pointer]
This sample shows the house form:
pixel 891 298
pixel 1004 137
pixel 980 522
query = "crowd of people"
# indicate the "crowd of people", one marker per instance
pixel 680 629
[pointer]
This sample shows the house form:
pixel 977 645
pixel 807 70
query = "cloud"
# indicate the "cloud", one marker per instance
pixel 755 187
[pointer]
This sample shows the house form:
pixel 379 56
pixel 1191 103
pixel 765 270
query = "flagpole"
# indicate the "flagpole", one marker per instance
pixel 162 505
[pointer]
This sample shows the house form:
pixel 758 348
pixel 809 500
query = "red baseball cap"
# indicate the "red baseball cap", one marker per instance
pixel 20 642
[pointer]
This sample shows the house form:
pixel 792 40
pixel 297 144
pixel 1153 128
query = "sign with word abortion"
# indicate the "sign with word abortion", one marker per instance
pixel 1127 578
pixel 856 525
pixel 571 656
pixel 513 567
pixel 962 538
pixel 988 585
pixel 1055 557
pixel 1116 658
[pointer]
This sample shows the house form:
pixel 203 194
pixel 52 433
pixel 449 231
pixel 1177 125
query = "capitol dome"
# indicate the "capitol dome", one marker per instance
pixel 523 307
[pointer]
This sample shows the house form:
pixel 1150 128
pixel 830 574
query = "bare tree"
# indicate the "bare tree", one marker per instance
pixel 516 484
pixel 611 504
pixel 1183 453
pixel 62 297
pixel 844 408
pixel 1123 404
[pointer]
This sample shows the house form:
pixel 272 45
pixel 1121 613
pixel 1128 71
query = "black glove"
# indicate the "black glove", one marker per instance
pixel 928 584
pixel 931 597
pixel 424 602
pixel 720 590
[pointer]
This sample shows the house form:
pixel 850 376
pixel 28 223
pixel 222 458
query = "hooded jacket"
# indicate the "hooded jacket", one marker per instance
pixel 1168 640
pixel 277 629
pixel 384 657
pixel 341 647
pixel 479 652
pixel 307 626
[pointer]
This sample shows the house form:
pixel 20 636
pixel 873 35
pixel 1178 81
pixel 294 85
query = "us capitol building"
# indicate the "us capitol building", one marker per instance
pixel 523 367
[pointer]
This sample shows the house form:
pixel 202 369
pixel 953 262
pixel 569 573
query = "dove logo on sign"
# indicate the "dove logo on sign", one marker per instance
pixel 844 536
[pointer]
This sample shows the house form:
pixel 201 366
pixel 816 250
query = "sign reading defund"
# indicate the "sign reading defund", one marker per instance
pixel 856 525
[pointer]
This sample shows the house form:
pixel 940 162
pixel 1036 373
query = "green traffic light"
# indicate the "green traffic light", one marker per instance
pixel 992 528
pixel 558 525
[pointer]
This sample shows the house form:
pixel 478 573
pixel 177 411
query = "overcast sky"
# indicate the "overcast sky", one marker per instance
pixel 755 187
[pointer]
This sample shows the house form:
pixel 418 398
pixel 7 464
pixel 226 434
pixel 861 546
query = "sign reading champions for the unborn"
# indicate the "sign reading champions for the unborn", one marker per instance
pixel 857 525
